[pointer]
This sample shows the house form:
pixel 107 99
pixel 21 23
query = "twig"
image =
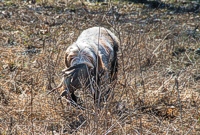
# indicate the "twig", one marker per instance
pixel 32 128
pixel 10 127
pixel 179 99
pixel 59 86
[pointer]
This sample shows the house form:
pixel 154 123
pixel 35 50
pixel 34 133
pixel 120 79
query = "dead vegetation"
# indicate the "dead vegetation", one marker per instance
pixel 158 82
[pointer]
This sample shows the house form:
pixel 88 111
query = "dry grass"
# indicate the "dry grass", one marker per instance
pixel 158 82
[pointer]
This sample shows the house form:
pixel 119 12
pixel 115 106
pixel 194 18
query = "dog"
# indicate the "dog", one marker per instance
pixel 89 60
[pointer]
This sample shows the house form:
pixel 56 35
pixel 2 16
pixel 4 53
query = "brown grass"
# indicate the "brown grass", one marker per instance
pixel 158 85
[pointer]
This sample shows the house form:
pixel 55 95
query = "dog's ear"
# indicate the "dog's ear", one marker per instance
pixel 67 63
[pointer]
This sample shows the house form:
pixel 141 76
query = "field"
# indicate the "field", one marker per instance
pixel 158 86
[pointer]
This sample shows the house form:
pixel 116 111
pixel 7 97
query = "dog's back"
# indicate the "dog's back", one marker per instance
pixel 93 43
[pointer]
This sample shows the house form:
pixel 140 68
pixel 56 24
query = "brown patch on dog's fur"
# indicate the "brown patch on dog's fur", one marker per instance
pixel 101 65
pixel 103 44
pixel 111 38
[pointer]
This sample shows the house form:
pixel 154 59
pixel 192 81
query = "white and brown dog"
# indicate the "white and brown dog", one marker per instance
pixel 93 55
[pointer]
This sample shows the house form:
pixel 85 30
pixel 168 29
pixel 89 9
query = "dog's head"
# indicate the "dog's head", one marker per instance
pixel 79 76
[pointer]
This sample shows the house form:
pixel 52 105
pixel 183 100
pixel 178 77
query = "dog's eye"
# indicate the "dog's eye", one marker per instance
pixel 92 71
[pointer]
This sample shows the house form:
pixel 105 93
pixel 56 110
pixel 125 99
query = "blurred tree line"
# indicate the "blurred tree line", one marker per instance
pixel 135 1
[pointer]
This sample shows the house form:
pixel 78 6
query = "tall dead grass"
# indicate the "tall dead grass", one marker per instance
pixel 157 91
